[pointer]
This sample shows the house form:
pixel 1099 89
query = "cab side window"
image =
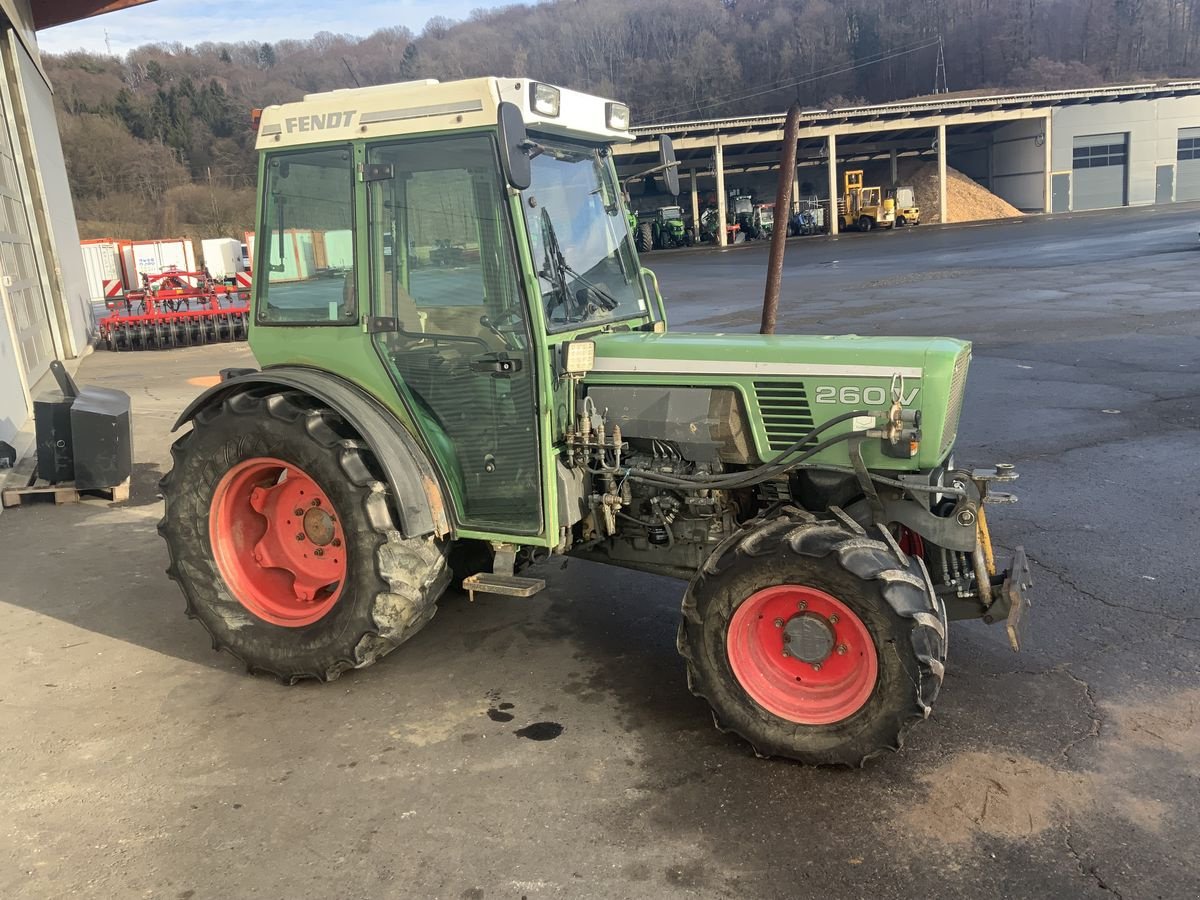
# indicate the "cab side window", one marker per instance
pixel 305 254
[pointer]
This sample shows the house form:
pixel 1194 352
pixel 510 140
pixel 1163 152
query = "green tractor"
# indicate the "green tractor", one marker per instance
pixel 418 426
pixel 662 229
pixel 744 214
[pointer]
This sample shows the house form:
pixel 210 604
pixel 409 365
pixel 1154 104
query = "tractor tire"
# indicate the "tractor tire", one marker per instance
pixel 866 223
pixel 867 639
pixel 644 237
pixel 901 221
pixel 688 239
pixel 282 539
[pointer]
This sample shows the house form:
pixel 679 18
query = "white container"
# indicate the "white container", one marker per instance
pixel 102 269
pixel 222 257
pixel 156 257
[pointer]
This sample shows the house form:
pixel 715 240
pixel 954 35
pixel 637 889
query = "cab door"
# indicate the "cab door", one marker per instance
pixel 449 320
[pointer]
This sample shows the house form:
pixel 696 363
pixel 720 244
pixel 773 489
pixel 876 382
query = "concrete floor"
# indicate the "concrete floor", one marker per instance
pixel 136 762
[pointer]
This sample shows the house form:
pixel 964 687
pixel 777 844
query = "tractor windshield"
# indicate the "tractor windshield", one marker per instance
pixel 580 239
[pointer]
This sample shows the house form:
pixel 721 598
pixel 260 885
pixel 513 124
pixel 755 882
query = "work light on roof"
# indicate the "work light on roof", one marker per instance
pixel 617 115
pixel 544 99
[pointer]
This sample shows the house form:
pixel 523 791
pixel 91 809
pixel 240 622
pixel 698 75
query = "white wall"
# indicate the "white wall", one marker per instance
pixel 66 259
pixel 1153 128
pixel 1019 164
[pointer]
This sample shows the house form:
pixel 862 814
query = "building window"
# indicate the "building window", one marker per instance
pixel 1100 155
pixel 1189 148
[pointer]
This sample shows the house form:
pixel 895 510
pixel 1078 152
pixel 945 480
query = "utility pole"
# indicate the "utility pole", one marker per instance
pixel 783 206
pixel 939 73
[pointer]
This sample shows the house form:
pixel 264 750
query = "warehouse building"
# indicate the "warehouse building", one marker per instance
pixel 45 312
pixel 1051 151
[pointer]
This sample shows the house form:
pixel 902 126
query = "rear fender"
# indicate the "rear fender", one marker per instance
pixel 418 496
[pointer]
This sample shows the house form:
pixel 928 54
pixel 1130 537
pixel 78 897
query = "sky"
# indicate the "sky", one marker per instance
pixel 192 22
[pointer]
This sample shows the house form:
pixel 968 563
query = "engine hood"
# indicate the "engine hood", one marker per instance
pixel 789 383
pixel 758 355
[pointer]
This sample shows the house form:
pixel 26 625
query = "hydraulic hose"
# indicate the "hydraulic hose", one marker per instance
pixel 756 475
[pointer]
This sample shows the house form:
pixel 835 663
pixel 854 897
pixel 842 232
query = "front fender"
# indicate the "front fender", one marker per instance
pixel 418 496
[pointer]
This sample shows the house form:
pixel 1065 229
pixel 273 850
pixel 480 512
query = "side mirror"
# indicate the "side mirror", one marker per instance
pixel 670 168
pixel 514 147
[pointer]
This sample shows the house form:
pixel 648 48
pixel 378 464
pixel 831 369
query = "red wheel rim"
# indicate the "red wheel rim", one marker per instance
pixel 277 541
pixel 819 688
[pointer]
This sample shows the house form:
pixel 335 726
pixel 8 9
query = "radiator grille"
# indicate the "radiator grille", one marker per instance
pixel 786 415
pixel 958 384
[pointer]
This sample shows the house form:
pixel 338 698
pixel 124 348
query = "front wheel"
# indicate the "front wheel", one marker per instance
pixel 813 640
pixel 281 537
pixel 866 223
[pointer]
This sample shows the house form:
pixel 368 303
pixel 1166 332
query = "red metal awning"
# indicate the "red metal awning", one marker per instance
pixel 47 13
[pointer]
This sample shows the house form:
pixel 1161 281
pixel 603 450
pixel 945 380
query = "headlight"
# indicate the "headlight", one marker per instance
pixel 578 357
pixel 544 99
pixel 617 116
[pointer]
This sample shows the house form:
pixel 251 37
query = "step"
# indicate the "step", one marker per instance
pixel 508 585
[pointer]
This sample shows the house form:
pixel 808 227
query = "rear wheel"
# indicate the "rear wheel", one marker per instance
pixel 813 640
pixel 281 537
pixel 866 223
pixel 645 237
pixel 900 221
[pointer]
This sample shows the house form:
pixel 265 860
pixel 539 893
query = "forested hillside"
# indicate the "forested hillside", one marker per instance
pixel 160 141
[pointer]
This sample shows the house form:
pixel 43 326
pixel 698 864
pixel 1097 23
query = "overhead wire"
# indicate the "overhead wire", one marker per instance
pixel 661 117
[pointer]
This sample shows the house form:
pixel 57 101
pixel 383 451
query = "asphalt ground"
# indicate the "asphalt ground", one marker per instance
pixel 134 761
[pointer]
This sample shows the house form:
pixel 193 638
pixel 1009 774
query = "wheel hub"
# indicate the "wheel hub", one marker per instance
pixel 318 526
pixel 277 541
pixel 808 637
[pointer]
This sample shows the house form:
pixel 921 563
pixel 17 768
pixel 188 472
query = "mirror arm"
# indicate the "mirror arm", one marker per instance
pixel 651 171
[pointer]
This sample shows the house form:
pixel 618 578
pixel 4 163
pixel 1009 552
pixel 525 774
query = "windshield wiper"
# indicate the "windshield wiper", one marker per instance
pixel 554 268
pixel 607 300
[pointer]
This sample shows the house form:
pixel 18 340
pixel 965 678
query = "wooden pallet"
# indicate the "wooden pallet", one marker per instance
pixel 22 483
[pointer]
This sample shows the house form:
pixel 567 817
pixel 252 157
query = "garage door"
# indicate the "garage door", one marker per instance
pixel 20 285
pixel 1187 168
pixel 1099 165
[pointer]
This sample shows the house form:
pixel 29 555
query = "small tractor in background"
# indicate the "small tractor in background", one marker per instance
pixel 710 223
pixel 863 207
pixel 416 426
pixel 808 219
pixel 662 229
pixel 744 214
pixel 764 219
pixel 904 205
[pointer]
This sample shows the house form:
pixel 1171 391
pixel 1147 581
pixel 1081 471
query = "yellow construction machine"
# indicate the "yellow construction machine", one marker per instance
pixel 863 207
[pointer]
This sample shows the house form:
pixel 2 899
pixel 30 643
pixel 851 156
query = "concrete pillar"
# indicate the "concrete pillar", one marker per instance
pixel 991 162
pixel 795 193
pixel 719 165
pixel 895 167
pixel 831 165
pixel 943 205
pixel 1048 162
pixel 695 205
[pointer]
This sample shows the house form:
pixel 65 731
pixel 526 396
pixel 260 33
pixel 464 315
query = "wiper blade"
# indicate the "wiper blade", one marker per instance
pixel 607 300
pixel 554 268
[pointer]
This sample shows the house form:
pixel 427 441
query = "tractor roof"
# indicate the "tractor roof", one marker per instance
pixel 415 107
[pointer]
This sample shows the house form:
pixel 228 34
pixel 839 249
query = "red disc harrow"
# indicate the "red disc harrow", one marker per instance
pixel 175 309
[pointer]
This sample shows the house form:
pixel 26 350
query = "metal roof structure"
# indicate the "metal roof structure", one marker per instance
pixel 943 106
pixel 48 13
